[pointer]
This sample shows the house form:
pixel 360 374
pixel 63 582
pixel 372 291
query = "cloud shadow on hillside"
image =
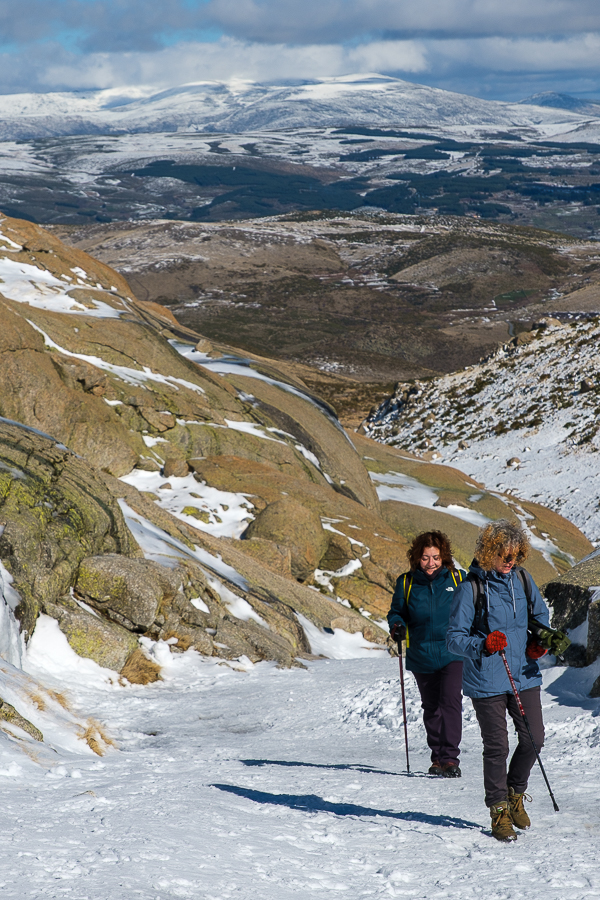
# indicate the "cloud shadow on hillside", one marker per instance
pixel 313 803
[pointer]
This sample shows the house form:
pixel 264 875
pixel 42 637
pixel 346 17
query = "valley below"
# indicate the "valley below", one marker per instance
pixel 355 302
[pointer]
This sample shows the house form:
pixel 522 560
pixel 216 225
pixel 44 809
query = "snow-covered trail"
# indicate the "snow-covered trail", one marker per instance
pixel 277 784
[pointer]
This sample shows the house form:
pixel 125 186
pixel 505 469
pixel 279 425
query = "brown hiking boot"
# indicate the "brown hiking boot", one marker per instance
pixel 451 770
pixel 435 769
pixel 517 809
pixel 502 824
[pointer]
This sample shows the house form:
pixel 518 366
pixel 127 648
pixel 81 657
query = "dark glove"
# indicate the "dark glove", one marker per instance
pixel 534 649
pixel 554 641
pixel 398 633
pixel 494 642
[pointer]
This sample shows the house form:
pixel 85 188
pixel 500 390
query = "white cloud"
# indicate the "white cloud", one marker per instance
pixel 229 59
pixel 533 55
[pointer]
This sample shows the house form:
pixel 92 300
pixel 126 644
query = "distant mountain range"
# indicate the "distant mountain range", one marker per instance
pixel 564 101
pixel 235 107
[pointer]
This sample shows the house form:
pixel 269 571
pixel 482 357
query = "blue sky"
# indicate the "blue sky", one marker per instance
pixel 494 50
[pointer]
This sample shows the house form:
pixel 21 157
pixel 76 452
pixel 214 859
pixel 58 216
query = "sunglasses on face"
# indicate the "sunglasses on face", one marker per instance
pixel 509 558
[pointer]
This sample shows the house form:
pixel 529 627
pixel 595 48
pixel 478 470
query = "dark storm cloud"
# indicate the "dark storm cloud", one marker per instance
pixel 334 20
pixel 112 25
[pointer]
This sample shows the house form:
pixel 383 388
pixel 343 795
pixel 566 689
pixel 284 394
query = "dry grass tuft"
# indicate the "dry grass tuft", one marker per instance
pixel 37 700
pixel 184 641
pixel 139 669
pixel 96 737
pixel 60 698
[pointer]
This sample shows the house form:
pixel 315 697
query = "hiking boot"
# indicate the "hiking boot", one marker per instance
pixel 451 770
pixel 517 809
pixel 502 824
pixel 435 768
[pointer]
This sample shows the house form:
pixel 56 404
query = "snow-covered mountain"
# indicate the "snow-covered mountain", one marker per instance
pixel 241 106
pixel 556 100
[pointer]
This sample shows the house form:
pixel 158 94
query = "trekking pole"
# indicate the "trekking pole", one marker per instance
pixel 522 711
pixel 401 648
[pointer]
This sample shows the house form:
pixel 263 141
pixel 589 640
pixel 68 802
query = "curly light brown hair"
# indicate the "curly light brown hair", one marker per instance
pixel 427 539
pixel 499 538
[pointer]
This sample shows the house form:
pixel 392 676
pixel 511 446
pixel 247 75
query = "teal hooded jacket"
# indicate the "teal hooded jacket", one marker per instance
pixel 425 614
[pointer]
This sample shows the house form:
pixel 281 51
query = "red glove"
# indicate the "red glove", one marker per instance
pixel 495 641
pixel 535 650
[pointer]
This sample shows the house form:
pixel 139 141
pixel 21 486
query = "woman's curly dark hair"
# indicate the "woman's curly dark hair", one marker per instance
pixel 427 539
pixel 498 539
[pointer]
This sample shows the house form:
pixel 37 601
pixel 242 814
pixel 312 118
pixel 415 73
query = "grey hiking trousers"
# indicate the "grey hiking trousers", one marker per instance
pixel 491 715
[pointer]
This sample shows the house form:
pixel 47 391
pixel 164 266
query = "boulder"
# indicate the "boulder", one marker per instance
pixel 524 337
pixel 288 522
pixel 12 717
pixel 175 468
pixel 575 599
pixel 92 635
pixel 276 557
pixel 57 510
pixel 547 322
pixel 128 591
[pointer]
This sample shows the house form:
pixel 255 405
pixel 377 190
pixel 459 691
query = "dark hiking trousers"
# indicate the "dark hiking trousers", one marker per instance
pixel 441 700
pixel 491 715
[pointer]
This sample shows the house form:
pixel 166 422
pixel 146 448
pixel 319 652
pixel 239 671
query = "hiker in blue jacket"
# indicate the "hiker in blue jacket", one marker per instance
pixel 420 611
pixel 491 612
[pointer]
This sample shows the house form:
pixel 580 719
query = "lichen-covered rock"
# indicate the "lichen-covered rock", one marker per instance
pixel 288 522
pixel 275 556
pixel 11 716
pixel 57 511
pixel 92 635
pixel 572 597
pixel 129 591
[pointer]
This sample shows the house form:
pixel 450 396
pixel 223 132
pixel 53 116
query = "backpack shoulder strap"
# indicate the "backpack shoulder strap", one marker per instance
pixel 480 618
pixel 525 579
pixel 408 579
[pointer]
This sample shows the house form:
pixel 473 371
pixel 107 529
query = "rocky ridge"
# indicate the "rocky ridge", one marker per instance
pixel 157 486
pixel 525 420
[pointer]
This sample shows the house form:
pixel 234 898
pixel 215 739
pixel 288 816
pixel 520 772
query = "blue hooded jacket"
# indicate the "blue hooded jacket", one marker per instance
pixel 426 617
pixel 485 676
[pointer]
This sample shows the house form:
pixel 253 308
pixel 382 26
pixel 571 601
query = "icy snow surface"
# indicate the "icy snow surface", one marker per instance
pixel 286 785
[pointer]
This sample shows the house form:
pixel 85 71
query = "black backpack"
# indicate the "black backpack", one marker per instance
pixel 480 622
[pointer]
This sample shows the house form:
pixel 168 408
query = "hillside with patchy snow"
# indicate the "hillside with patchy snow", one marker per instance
pixel 524 422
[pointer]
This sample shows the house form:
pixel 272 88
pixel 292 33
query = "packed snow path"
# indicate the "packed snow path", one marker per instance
pixel 277 784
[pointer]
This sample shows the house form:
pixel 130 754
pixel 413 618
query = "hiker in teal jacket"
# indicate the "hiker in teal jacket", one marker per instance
pixel 420 611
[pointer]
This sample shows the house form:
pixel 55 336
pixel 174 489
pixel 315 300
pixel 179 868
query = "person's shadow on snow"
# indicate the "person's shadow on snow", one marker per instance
pixel 351 767
pixel 313 803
